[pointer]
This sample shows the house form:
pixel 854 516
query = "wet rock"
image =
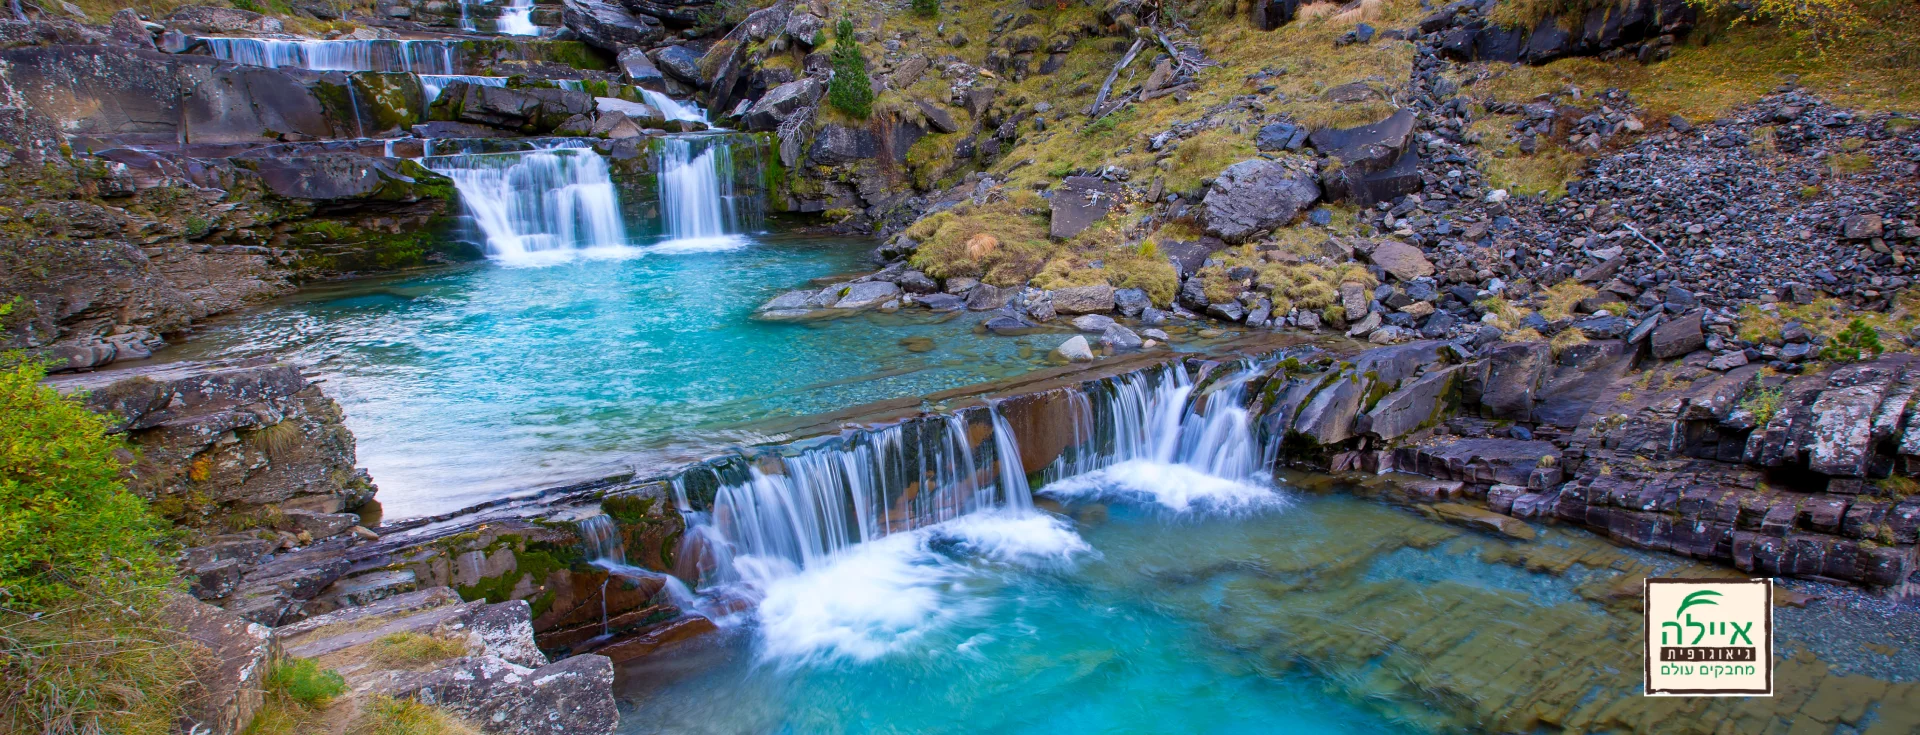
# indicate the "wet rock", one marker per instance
pixel 1420 403
pixel 1007 325
pixel 531 110
pixel 1481 519
pixel 1075 349
pixel 942 302
pixel 1095 299
pixel 1530 464
pixel 1092 323
pixel 1254 196
pixel 867 295
pixel 640 70
pixel 987 297
pixel 1120 339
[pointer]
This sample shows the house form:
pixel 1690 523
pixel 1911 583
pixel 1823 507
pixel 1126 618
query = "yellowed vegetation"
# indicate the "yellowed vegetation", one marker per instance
pixel 1828 317
pixel 409 649
pixel 1017 225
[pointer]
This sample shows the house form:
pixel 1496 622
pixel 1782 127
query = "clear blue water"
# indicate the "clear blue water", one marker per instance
pixel 1005 624
pixel 473 382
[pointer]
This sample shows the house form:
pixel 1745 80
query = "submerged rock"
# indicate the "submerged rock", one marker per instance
pixel 1075 349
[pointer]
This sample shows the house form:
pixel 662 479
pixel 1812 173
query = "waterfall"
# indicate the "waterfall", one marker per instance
pixel 431 84
pixel 698 206
pixel 1154 416
pixel 673 109
pixel 425 57
pixel 517 19
pixel 807 506
pixel 532 206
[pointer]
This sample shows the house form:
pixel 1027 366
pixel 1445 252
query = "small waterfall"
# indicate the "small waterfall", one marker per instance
pixel 534 205
pixel 425 57
pixel 1154 416
pixel 698 205
pixel 864 486
pixel 607 550
pixel 431 84
pixel 673 109
pixel 517 19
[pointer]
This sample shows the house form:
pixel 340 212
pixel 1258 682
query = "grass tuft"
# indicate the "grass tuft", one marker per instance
pixel 409 649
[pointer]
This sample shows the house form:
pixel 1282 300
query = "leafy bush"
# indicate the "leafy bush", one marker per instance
pixel 851 90
pixel 65 514
pixel 1763 404
pixel 926 8
pixel 1858 342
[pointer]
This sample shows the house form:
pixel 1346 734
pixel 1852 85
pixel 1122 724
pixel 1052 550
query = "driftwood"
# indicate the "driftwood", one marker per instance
pixel 1107 87
pixel 1124 100
pixel 1170 89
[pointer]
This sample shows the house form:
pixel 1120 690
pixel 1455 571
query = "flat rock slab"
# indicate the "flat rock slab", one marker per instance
pixel 1480 519
pixel 1080 202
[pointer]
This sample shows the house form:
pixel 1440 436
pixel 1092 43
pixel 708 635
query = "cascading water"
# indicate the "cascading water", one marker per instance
pixel 673 109
pixel 539 205
pixel 699 208
pixel 424 57
pixel 825 500
pixel 516 19
pixel 431 84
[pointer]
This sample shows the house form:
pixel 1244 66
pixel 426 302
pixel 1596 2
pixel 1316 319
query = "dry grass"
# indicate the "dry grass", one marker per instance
pixel 106 660
pixel 1829 317
pixel 409 649
pixel 388 716
pixel 1563 296
pixel 1017 224
pixel 1720 69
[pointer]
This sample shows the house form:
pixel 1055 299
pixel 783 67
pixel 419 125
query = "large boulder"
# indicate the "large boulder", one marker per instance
pixel 1378 162
pixel 679 62
pixel 1095 299
pixel 1079 202
pixel 639 69
pixel 1404 261
pixel 333 177
pixel 229 679
pixel 1254 196
pixel 1679 336
pixel 783 102
pixel 607 25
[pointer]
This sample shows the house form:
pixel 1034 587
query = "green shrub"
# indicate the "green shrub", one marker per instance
pixel 1858 342
pixel 303 681
pixel 926 8
pixel 850 91
pixel 1764 404
pixel 65 514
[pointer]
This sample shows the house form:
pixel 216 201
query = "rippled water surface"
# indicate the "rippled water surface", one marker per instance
pixel 468 383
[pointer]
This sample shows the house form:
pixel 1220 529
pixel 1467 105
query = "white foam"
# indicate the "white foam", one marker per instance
pixel 1178 487
pixel 895 592
pixel 864 603
pixel 1026 538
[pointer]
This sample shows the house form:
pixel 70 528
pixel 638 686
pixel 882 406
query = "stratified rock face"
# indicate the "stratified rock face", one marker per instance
pixel 230 679
pixel 573 696
pixel 783 102
pixel 607 25
pixel 236 437
pixel 1254 196
pixel 532 110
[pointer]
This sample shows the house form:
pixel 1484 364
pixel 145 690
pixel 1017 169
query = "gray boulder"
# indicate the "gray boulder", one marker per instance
pixel 1254 196
pixel 607 25
pixel 867 295
pixel 532 110
pixel 783 102
pixel 1075 349
pixel 1378 162
pixel 1095 299
pixel 1131 301
pixel 1092 323
pixel 640 70
pixel 1119 338
pixel 1680 336
pixel 1404 261
pixel 679 62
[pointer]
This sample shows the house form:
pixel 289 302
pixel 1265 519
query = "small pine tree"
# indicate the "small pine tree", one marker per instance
pixel 851 90
pixel 1858 342
pixel 926 8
